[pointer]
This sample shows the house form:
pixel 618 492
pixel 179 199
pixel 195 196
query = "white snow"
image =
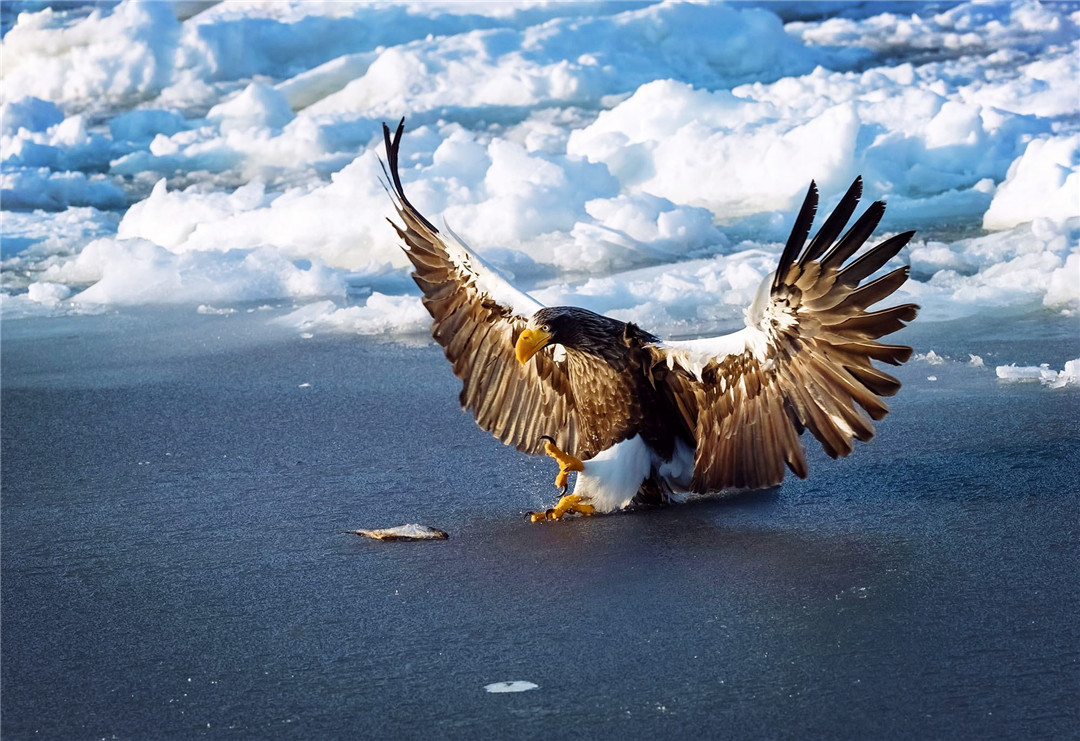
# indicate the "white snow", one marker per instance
pixel 644 161
pixel 48 293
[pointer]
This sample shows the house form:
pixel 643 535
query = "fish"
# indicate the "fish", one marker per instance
pixel 412 531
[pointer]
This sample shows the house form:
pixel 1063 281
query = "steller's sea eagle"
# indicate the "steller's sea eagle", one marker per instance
pixel 643 419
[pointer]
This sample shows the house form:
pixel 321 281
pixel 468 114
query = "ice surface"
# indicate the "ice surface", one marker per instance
pixel 642 160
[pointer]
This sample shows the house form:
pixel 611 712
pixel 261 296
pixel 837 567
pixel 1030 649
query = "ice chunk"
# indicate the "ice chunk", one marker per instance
pixel 31 188
pixel 1044 182
pixel 30 113
pixel 48 293
pixel 144 125
pixel 257 106
pixel 1068 376
pixel 137 271
pixel 513 686
pixel 930 358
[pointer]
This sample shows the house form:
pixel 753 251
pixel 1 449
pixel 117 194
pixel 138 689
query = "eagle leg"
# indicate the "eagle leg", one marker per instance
pixel 567 463
pixel 568 503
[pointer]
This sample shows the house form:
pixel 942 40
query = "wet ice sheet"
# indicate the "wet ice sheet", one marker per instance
pixel 930 576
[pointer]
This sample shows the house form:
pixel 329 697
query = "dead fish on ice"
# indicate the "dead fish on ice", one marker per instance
pixel 403 532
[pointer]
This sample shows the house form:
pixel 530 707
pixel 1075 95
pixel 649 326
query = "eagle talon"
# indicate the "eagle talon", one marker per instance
pixel 567 463
pixel 569 504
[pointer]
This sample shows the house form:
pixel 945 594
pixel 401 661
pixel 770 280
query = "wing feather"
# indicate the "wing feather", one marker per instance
pixel 802 363
pixel 476 317
pixel 856 236
pixel 833 225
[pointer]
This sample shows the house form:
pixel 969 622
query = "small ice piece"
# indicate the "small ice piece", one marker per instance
pixel 403 532
pixel 931 378
pixel 516 686
pixel 214 311
pixel 976 361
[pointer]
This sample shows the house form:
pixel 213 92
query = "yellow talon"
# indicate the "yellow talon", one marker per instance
pixel 567 504
pixel 567 463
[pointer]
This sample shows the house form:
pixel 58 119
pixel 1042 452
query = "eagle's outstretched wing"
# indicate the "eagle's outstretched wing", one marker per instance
pixel 802 361
pixel 478 316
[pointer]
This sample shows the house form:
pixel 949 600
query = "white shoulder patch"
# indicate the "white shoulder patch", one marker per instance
pixel 694 355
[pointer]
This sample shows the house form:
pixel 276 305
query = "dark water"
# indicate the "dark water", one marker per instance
pixel 173 566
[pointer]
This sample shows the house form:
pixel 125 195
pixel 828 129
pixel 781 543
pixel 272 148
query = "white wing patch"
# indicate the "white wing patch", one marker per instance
pixel 761 317
pixel 486 278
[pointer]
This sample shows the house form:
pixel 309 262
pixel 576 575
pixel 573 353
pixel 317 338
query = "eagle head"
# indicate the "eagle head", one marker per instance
pixel 571 327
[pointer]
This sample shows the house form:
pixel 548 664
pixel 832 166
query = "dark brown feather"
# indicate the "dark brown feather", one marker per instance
pixel 833 225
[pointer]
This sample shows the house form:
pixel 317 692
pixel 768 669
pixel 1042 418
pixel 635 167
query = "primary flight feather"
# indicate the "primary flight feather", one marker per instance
pixel 642 419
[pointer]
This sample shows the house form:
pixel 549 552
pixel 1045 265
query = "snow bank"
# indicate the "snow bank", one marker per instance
pixel 643 160
pixel 380 315
pixel 113 57
pixel 574 60
pixel 137 271
pixel 1030 265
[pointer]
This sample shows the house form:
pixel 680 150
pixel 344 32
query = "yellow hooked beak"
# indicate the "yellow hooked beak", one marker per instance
pixel 529 343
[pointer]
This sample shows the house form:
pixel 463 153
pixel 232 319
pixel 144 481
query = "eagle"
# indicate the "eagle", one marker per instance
pixel 644 420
